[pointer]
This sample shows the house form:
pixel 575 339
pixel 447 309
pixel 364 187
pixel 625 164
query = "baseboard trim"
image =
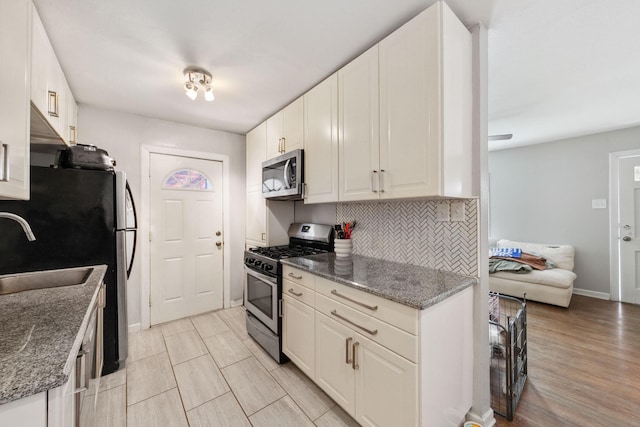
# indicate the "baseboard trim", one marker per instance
pixel 487 419
pixel 236 303
pixel 134 328
pixel 592 294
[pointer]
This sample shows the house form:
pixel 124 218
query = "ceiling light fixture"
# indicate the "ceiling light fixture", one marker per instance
pixel 196 78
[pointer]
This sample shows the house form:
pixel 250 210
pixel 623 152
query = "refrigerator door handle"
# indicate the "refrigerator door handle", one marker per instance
pixel 121 292
pixel 133 251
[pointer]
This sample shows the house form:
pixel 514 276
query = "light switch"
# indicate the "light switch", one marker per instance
pixel 442 211
pixel 599 203
pixel 457 211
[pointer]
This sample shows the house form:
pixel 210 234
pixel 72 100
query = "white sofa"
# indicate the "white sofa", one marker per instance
pixel 552 286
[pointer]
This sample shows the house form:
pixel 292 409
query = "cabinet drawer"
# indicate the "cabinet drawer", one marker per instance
pixel 398 315
pixel 298 292
pixel 389 336
pixel 300 277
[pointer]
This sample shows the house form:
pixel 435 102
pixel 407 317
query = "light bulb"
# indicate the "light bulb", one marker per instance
pixel 192 90
pixel 208 93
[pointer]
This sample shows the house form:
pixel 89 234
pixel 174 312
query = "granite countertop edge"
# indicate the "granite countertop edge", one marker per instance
pixel 460 282
pixel 48 377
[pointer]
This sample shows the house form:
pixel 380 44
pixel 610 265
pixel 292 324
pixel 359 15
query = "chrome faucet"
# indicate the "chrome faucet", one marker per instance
pixel 22 222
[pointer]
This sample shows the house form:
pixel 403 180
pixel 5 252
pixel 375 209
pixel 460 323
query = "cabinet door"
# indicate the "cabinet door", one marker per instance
pixel 39 65
pixel 298 334
pixel 256 154
pixel 15 45
pixel 321 142
pixel 386 386
pixel 358 128
pixel 410 109
pixel 274 135
pixel 334 372
pixel 256 215
pixel 292 126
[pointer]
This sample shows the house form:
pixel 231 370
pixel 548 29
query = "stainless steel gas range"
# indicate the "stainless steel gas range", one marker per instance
pixel 263 288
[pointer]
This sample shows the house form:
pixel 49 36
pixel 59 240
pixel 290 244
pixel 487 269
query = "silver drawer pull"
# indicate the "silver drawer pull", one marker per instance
pixel 294 276
pixel 370 307
pixel 292 292
pixel 369 331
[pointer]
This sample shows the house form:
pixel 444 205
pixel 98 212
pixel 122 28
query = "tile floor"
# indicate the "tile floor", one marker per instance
pixel 206 371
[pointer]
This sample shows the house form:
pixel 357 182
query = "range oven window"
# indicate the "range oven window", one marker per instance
pixel 260 295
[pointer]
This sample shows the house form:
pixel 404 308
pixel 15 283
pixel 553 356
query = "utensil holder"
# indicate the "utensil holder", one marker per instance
pixel 343 247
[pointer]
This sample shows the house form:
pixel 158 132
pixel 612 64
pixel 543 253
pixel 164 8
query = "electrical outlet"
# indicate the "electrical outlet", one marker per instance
pixel 599 203
pixel 442 212
pixel 457 211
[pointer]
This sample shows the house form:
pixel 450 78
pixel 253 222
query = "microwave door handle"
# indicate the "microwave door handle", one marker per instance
pixel 286 174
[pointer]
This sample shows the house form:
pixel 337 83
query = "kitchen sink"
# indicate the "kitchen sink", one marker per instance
pixel 11 283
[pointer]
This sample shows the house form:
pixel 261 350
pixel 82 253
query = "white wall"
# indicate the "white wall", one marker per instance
pixel 123 134
pixel 542 193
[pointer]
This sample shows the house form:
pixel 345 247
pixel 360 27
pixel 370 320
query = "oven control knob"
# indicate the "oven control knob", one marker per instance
pixel 257 263
pixel 268 267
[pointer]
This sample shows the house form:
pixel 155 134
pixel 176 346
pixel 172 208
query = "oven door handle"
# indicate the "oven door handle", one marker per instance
pixel 263 277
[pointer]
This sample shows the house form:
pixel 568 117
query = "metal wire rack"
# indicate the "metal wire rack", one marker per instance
pixel 508 349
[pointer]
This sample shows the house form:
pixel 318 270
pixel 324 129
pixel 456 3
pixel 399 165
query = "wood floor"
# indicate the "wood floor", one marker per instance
pixel 584 365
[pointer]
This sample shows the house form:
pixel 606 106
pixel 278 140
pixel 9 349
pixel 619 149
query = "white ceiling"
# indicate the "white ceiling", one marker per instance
pixel 557 68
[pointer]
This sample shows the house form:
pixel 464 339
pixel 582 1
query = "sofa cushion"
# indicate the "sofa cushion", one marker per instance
pixel 557 277
pixel 561 255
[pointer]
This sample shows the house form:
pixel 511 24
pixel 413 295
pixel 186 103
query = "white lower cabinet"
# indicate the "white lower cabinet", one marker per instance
pixel 386 386
pixel 373 384
pixel 384 363
pixel 298 330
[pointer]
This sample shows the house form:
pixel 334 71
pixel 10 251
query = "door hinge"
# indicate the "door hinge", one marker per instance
pixel 149 300
pixel 149 236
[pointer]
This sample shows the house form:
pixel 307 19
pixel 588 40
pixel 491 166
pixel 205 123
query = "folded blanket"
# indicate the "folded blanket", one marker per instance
pixel 523 264
pixel 498 264
pixel 537 262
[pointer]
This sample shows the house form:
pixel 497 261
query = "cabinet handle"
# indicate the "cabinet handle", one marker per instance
pixel 294 276
pixel 284 144
pixel 292 292
pixel 304 191
pixel 346 350
pixel 264 236
pixel 53 103
pixel 382 171
pixel 354 364
pixel 4 163
pixel 279 145
pixel 369 331
pixel 374 173
pixel 361 304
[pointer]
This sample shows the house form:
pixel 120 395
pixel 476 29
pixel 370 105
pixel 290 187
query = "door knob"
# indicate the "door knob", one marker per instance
pixel 218 243
pixel 627 238
pixel 218 233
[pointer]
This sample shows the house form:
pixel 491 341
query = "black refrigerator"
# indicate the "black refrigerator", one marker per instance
pixel 79 217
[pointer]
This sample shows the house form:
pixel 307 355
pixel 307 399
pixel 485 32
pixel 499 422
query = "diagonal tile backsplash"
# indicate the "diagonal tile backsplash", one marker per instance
pixel 408 232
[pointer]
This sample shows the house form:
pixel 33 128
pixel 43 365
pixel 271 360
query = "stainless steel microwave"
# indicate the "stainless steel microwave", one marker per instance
pixel 282 176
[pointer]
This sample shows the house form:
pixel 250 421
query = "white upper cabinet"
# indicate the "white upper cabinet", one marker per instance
pixel 321 142
pixel 285 130
pixel 358 128
pixel 421 145
pixel 425 107
pixel 15 57
pixel 256 154
pixel 55 106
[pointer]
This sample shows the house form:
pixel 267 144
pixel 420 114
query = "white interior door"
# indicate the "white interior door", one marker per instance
pixel 629 228
pixel 186 238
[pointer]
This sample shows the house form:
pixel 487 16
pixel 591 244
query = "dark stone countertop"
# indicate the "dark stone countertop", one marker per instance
pixel 40 334
pixel 411 285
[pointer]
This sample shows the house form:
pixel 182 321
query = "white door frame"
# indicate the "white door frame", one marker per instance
pixel 614 254
pixel 143 224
